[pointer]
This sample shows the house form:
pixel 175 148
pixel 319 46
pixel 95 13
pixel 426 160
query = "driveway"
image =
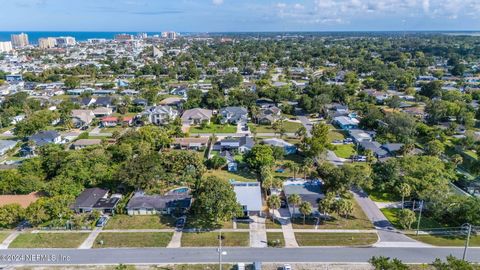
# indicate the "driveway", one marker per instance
pixel 258 232
pixel 389 237
pixel 306 123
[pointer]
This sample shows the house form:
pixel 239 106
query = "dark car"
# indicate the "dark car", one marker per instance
pixel 283 204
pixel 102 221
pixel 180 222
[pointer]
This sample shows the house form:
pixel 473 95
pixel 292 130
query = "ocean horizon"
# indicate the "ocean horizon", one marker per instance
pixel 33 36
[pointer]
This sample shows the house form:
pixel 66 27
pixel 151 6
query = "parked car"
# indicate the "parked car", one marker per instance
pixel 283 204
pixel 287 267
pixel 180 222
pixel 240 266
pixel 359 158
pixel 102 221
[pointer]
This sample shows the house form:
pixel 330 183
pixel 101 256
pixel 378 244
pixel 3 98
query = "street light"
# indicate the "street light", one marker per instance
pixel 419 216
pixel 219 250
pixel 468 227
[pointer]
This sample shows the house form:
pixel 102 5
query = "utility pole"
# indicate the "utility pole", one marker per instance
pixel 220 249
pixel 467 241
pixel 419 216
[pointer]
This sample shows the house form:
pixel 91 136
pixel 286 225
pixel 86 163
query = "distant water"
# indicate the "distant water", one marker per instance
pixel 79 36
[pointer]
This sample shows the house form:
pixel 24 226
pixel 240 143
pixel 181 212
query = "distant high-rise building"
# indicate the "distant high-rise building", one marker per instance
pixel 6 46
pixel 172 35
pixel 123 37
pixel 65 41
pixel 47 43
pixel 142 35
pixel 20 40
pixel 96 40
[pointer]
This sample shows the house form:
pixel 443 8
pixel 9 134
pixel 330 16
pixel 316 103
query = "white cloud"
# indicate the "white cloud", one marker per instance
pixel 217 2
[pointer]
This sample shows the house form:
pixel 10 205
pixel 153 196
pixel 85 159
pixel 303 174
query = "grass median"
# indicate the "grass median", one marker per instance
pixel 336 239
pixel 210 239
pixel 49 240
pixel 447 240
pixel 143 239
pixel 275 239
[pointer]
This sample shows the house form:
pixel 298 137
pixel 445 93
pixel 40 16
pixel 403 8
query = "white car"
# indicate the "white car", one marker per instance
pixel 287 267
pixel 241 266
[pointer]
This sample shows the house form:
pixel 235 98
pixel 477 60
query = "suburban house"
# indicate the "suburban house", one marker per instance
pixel 190 143
pixel 46 137
pixel 346 122
pixel 249 196
pixel 6 145
pixel 374 147
pixel 95 199
pixel 232 164
pixel 82 118
pixel 143 204
pixel 109 121
pixel 102 111
pixel 234 115
pixel 309 191
pixel 85 101
pixel 287 147
pixel 159 115
pixel 336 109
pixel 269 115
pixel 196 116
pixel 241 144
pixel 172 101
pixel 140 102
pixel 82 143
pixel 393 148
pixel 104 102
pixel 359 135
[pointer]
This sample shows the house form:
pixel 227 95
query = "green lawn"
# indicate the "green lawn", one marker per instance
pixel 193 223
pixel 382 196
pixel 275 239
pixel 112 129
pixel 140 222
pixel 290 127
pixel 438 240
pixel 151 239
pixel 210 239
pixel 335 135
pixel 48 240
pixel 344 150
pixel 425 222
pixel 242 175
pixel 357 221
pixel 272 224
pixel 214 128
pixel 336 239
pixel 243 224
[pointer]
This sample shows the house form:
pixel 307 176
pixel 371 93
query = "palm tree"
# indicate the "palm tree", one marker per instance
pixel 294 200
pixel 305 209
pixel 327 204
pixel 293 167
pixel 273 203
pixel 307 167
pixel 405 190
pixel 344 207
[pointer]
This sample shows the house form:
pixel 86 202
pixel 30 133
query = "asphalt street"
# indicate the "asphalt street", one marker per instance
pixel 210 255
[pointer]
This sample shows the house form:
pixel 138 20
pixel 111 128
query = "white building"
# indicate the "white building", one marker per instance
pixel 6 46
pixel 47 43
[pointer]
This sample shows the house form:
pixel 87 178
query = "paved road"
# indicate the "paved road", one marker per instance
pixel 209 255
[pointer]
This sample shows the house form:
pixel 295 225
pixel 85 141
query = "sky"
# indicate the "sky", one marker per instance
pixel 239 15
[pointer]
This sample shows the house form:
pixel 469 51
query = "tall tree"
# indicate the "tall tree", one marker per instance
pixel 306 209
pixel 294 200
pixel 273 203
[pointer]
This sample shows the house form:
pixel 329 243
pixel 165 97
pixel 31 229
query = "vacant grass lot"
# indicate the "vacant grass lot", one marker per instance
pixel 243 224
pixel 356 221
pixel 382 196
pixel 210 239
pixel 336 239
pixel 214 128
pixel 290 127
pixel 439 240
pixel 48 240
pixel 140 222
pixel 425 222
pixel 275 224
pixel 335 135
pixel 241 175
pixel 275 237
pixel 344 150
pixel 154 239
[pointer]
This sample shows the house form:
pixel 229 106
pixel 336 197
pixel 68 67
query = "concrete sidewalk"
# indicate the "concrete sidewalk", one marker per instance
pixel 88 243
pixel 176 240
